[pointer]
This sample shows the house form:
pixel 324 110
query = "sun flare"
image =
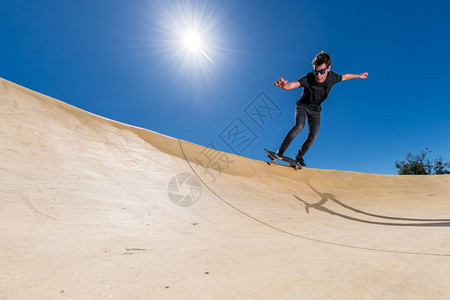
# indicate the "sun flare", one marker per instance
pixel 191 36
pixel 193 41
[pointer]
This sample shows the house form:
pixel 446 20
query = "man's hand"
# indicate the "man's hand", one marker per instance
pixel 280 82
pixel 286 85
pixel 355 76
pixel 363 75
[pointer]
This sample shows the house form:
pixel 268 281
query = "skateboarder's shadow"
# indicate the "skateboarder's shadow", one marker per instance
pixel 327 196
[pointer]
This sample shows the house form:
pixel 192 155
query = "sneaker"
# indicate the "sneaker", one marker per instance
pixel 299 159
pixel 279 153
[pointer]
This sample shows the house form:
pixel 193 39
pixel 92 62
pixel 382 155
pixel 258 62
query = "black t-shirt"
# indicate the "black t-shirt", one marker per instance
pixel 315 93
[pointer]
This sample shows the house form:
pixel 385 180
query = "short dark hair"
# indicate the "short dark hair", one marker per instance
pixel 321 58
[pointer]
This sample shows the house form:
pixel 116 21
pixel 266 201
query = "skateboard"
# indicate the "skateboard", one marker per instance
pixel 293 163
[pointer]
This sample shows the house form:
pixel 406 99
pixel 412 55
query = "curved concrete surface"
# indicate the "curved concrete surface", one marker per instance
pixel 92 208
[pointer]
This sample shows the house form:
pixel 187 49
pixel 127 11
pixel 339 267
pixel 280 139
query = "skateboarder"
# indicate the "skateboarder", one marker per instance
pixel 316 87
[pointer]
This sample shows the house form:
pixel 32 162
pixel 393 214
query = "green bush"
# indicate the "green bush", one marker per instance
pixel 419 164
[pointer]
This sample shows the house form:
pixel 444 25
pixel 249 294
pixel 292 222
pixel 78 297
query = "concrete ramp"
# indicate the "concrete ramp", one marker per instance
pixel 92 208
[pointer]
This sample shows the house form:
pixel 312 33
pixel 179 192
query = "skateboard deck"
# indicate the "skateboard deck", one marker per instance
pixel 292 162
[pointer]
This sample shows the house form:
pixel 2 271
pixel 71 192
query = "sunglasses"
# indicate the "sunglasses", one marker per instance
pixel 321 71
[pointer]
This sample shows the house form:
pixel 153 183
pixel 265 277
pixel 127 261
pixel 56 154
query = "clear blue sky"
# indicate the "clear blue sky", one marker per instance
pixel 128 61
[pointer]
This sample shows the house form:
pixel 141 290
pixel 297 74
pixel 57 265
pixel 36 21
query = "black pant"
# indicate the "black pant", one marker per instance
pixel 301 113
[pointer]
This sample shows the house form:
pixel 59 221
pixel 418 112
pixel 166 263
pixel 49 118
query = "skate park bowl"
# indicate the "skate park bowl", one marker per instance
pixel 96 209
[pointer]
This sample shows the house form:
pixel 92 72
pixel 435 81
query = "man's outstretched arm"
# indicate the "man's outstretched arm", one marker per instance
pixel 354 76
pixel 286 85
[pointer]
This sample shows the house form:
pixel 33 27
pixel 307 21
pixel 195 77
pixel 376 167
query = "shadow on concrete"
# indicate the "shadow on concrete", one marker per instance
pixel 330 197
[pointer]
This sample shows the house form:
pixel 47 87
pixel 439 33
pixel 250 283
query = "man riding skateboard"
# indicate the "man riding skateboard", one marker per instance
pixel 316 87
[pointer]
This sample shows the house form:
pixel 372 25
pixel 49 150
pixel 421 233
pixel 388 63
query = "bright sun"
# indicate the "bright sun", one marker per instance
pixel 193 41
pixel 191 36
